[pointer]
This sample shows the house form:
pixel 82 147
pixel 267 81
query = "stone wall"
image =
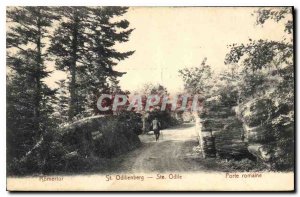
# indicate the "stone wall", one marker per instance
pixel 101 136
pixel 226 130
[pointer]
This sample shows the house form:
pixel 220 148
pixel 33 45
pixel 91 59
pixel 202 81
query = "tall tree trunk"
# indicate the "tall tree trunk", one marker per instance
pixel 38 96
pixel 38 92
pixel 73 110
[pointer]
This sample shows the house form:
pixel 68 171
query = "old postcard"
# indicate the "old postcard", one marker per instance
pixel 150 98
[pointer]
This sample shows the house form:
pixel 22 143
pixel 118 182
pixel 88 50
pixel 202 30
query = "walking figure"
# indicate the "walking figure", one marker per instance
pixel 156 128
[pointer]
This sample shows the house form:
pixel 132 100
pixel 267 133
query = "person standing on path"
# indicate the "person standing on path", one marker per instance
pixel 156 128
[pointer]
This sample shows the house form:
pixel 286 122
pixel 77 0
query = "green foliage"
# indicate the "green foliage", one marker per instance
pixel 45 157
pixel 83 45
pixel 264 71
pixel 243 165
pixel 229 95
pixel 197 80
pixel 103 136
pixel 132 120
pixel 276 14
pixel 166 119
pixel 261 54
pixel 61 104
pixel 73 148
pixel 29 99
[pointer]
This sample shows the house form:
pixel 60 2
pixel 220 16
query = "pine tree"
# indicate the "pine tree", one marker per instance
pixel 62 103
pixel 83 46
pixel 67 45
pixel 28 97
pixel 104 34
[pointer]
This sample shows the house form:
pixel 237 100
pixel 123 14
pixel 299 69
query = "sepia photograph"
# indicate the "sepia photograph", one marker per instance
pixel 114 98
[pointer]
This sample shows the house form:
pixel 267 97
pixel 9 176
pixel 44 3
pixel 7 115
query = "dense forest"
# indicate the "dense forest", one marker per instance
pixel 257 86
pixel 78 41
pixel 248 108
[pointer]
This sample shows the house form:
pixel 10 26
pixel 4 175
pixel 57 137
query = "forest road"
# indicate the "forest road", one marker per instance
pixel 175 151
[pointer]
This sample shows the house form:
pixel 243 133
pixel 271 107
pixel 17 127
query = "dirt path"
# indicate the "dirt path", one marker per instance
pixel 173 152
